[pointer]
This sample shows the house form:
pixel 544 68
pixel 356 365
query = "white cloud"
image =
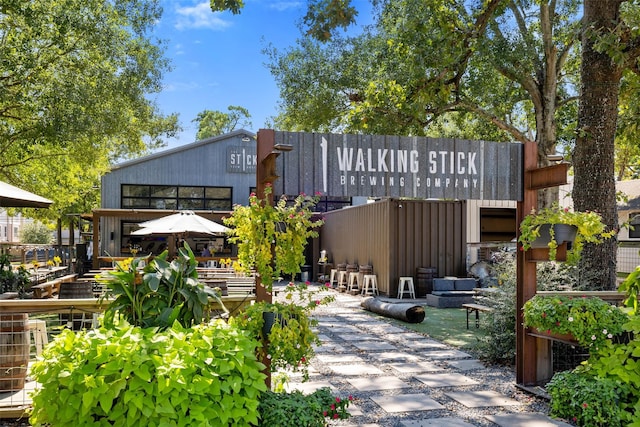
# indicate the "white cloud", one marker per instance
pixel 281 6
pixel 199 16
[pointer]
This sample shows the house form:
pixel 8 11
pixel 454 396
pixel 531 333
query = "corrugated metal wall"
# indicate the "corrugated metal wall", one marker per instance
pixel 398 236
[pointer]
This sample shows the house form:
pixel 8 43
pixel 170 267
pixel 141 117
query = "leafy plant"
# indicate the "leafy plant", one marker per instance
pixel 590 228
pixel 271 239
pixel 289 343
pixel 207 375
pixel 298 410
pixel 591 320
pixel 587 400
pixel 618 361
pixel 13 280
pixel 631 286
pixel 158 294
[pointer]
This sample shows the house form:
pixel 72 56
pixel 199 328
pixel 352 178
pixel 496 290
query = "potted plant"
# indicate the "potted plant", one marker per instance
pixel 271 239
pixel 590 321
pixel 285 328
pixel 547 228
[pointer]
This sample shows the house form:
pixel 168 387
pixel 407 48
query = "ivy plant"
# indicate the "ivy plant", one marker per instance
pixel 271 239
pixel 207 375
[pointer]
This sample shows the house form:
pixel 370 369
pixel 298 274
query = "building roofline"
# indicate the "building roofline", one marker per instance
pixel 163 153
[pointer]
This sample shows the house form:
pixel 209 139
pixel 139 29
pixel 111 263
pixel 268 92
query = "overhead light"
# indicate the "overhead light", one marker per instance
pixel 246 139
pixel 283 147
pixel 555 157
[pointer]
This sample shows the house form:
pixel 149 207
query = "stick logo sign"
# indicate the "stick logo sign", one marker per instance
pixel 394 166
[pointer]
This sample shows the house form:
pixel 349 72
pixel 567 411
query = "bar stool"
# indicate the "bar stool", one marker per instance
pixel 333 277
pixel 370 284
pixel 353 282
pixel 342 280
pixel 38 329
pixel 408 282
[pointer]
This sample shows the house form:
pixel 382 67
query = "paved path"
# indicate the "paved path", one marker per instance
pixel 403 379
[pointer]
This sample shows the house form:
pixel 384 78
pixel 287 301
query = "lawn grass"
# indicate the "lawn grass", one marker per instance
pixel 447 325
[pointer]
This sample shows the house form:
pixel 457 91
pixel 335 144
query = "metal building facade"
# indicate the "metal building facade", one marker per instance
pixel 398 236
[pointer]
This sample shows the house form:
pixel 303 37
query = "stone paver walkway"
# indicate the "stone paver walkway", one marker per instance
pixel 403 379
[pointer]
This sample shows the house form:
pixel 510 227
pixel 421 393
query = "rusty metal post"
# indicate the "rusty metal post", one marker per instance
pixel 526 276
pixel 533 355
pixel 265 174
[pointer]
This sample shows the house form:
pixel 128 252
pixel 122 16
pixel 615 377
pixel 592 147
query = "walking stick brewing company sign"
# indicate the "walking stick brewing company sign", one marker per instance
pixel 395 166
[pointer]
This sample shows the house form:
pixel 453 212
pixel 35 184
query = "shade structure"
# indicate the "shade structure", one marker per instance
pixel 185 222
pixel 14 197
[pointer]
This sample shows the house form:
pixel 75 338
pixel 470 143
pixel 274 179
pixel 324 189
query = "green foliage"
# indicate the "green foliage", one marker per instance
pixel 213 123
pixel 620 363
pixel 289 343
pixel 587 400
pixel 631 286
pixel 159 294
pixel 591 229
pixel 297 410
pixel 36 232
pixel 77 75
pixel 592 321
pixel 271 239
pixel 498 345
pixel 13 280
pixel 206 376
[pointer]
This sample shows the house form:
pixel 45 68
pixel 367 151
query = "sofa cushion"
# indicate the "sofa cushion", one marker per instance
pixel 453 293
pixel 443 285
pixel 465 284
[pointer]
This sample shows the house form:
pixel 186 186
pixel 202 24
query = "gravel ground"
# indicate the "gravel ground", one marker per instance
pixel 495 378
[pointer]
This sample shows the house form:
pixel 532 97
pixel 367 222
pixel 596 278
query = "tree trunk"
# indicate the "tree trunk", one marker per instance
pixel 409 313
pixel 593 159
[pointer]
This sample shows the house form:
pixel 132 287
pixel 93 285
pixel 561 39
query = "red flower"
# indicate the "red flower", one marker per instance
pixel 337 400
pixel 336 416
pixel 544 315
pixel 333 407
pixel 350 398
pixel 325 413
pixel 584 405
pixel 303 360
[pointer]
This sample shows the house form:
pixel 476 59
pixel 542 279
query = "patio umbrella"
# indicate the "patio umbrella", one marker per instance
pixel 14 197
pixel 185 222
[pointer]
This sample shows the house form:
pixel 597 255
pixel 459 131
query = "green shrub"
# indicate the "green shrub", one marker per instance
pixel 298 410
pixel 207 375
pixel 159 294
pixel 587 400
pixel 13 280
pixel 621 362
pixel 499 344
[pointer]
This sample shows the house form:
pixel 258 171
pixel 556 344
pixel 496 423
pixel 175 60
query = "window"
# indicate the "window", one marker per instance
pixel 325 204
pixel 176 197
pixel 634 221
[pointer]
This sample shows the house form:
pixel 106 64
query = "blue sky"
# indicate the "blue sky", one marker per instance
pixel 217 59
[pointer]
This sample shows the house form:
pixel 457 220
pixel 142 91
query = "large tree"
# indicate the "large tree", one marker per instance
pixel 212 123
pixel 489 54
pixel 75 86
pixel 610 44
pixel 502 70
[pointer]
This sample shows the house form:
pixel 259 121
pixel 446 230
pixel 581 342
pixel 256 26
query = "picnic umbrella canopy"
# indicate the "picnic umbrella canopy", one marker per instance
pixel 184 222
pixel 14 197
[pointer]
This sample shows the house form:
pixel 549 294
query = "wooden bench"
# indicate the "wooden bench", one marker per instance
pixel 52 287
pixel 477 308
pixel 241 285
